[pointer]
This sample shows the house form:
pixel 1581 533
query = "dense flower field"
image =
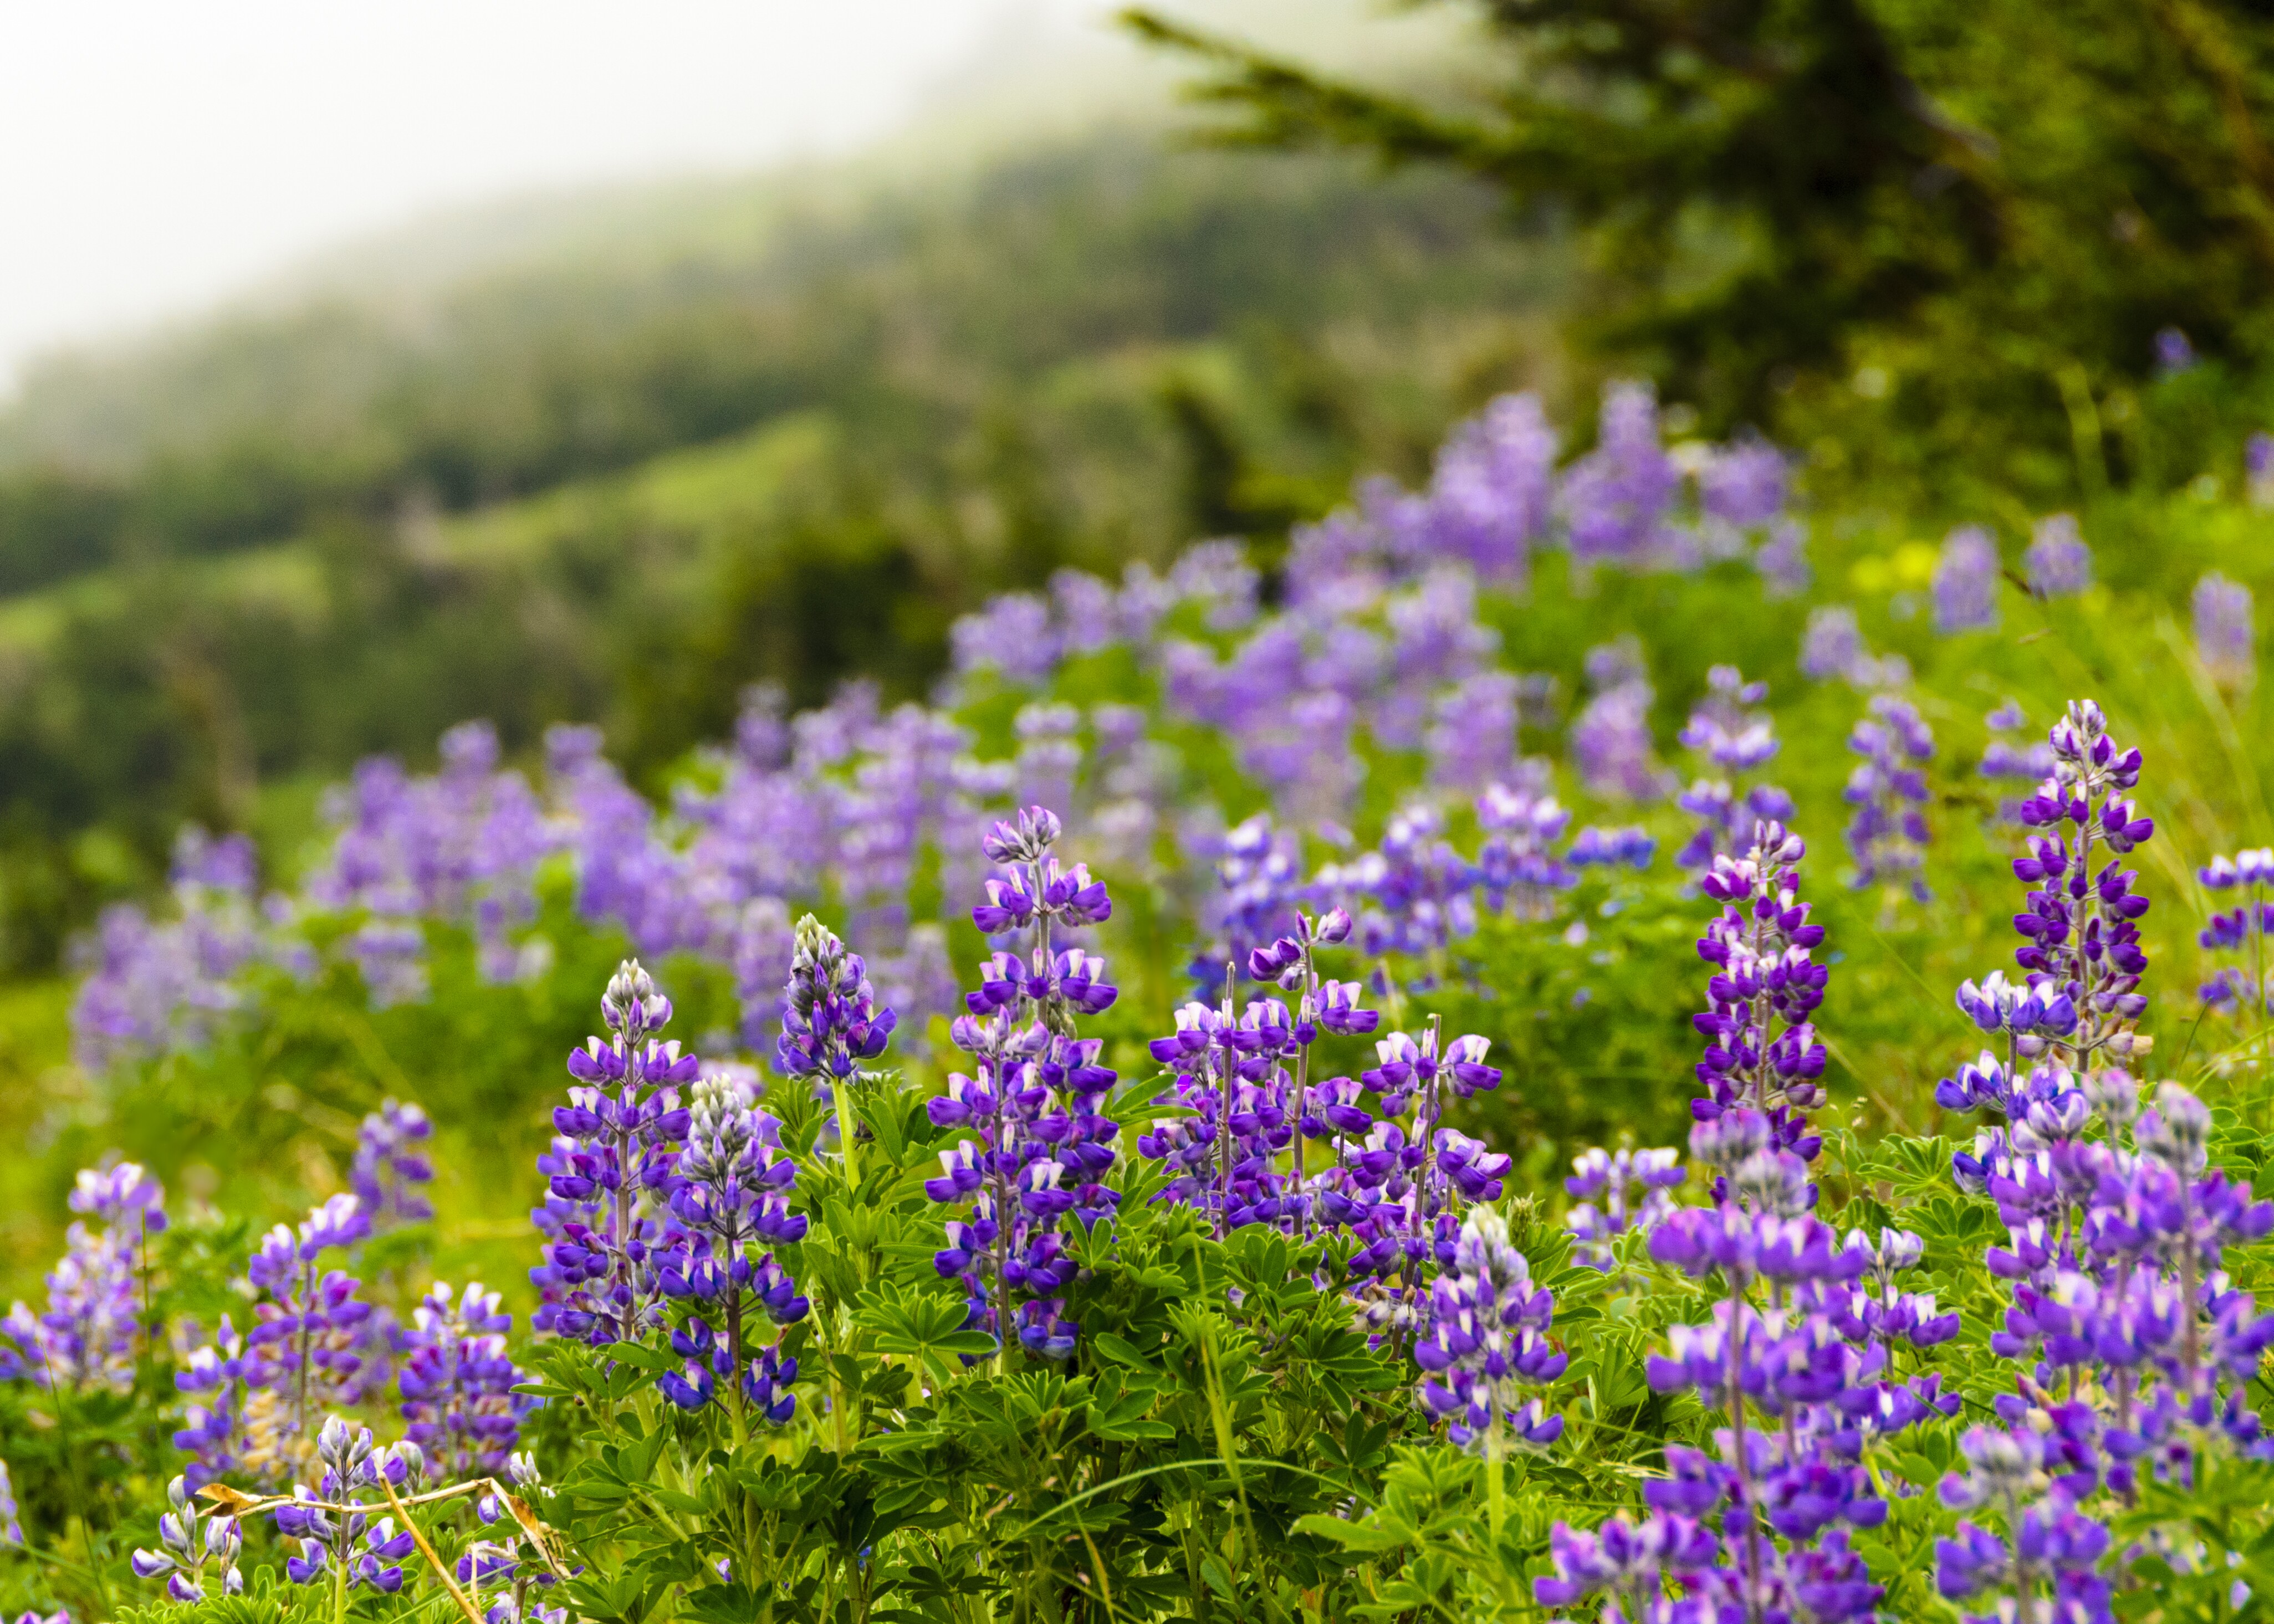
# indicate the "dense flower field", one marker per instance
pixel 1313 1101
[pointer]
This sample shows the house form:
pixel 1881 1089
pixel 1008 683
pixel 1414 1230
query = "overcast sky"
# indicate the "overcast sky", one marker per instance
pixel 158 155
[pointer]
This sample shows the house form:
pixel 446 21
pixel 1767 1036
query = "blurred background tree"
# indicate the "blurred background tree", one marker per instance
pixel 1983 214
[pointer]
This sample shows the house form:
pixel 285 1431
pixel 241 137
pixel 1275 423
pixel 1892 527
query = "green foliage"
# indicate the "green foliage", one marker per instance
pixel 1982 215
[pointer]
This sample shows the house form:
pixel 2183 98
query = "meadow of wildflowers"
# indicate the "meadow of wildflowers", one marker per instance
pixel 1521 1059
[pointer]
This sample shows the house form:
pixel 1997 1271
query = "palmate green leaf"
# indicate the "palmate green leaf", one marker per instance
pixel 1125 1418
pixel 926 1325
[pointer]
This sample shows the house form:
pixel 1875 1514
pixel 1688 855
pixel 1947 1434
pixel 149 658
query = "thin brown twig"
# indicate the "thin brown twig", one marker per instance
pixel 450 1579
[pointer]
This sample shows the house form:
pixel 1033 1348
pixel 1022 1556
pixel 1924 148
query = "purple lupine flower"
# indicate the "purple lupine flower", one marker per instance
pixel 1966 581
pixel 390 955
pixel 830 1020
pixel 1049 753
pixel 2258 467
pixel 1040 1146
pixel 1485 1345
pixel 1471 739
pixel 1412 891
pixel 2175 354
pixel 1782 560
pixel 731 1194
pixel 1610 738
pixel 1489 498
pixel 1731 735
pixel 2049 1543
pixel 1515 868
pixel 1013 635
pixel 1744 484
pixel 2242 930
pixel 1633 848
pixel 86 1337
pixel 2080 930
pixel 1888 834
pixel 1833 646
pixel 389 1167
pixel 456 1382
pixel 350 1548
pixel 2226 633
pixel 2004 761
pixel 1630 1560
pixel 1617 500
pixel 186 1550
pixel 2113 1253
pixel 1761 1526
pixel 153 989
pixel 1762 1056
pixel 1322 1006
pixel 2057 562
pixel 313 1343
pixel 12 1532
pixel 1633 1189
pixel 610 1167
pixel 1259 872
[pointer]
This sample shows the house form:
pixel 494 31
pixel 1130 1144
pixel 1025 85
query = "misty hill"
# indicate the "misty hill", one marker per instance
pixel 622 485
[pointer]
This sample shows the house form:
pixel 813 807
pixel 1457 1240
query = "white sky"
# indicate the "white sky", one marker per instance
pixel 158 155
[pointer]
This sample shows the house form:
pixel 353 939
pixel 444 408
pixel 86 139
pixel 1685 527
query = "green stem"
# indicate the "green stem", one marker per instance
pixel 845 1125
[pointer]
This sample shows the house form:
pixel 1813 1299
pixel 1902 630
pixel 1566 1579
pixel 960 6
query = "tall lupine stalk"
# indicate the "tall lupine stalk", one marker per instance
pixel 389 1166
pixel 612 1162
pixel 2241 929
pixel 94 1325
pixel 1888 835
pixel 2135 1354
pixel 1730 734
pixel 1042 1147
pixel 1635 1188
pixel 313 1344
pixel 830 1023
pixel 2082 927
pixel 1806 1325
pixel 730 1196
pixel 1321 1006
pixel 456 1380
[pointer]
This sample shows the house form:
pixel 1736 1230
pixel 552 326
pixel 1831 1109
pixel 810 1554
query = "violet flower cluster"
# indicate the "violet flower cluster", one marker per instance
pixel 2240 930
pixel 1798 1352
pixel 2057 562
pixel 87 1336
pixel 1730 734
pixel 463 847
pixel 1887 834
pixel 457 1381
pixel 1486 1345
pixel 1966 577
pixel 1618 1193
pixel 1041 1145
pixel 609 1171
pixel 729 1196
pixel 313 1344
pixel 2134 1351
pixel 1230 1069
pixel 1832 645
pixel 2005 761
pixel 1379 639
pixel 2226 631
pixel 188 1545
pixel 389 1165
pixel 1611 740
pixel 349 1549
pixel 151 988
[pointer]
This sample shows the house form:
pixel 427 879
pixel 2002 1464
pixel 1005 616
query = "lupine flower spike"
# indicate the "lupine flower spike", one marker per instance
pixel 1040 1146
